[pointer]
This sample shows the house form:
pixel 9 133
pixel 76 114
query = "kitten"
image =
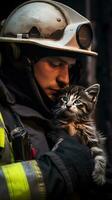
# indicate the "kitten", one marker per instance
pixel 74 109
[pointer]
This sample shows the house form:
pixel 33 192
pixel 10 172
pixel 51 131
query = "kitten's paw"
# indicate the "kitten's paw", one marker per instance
pixel 99 170
pixel 98 177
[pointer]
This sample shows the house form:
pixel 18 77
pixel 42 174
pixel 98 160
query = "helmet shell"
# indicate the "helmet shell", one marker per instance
pixel 48 24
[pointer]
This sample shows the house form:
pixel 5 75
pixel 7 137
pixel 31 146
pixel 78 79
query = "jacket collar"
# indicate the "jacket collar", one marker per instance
pixel 8 99
pixel 26 111
pixel 5 95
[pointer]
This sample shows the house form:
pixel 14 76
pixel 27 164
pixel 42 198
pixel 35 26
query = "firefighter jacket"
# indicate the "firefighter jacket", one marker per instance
pixel 47 174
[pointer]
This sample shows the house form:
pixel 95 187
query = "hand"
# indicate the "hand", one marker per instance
pixel 67 167
pixel 77 159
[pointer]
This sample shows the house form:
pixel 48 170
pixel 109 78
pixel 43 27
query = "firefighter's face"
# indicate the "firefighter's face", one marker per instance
pixel 52 73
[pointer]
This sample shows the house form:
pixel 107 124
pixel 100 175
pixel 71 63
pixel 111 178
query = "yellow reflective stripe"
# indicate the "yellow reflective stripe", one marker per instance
pixel 17 183
pixel 2 137
pixel 1 118
pixel 2 133
pixel 41 185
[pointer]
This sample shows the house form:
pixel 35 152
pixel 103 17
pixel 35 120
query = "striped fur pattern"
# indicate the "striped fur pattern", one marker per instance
pixel 74 111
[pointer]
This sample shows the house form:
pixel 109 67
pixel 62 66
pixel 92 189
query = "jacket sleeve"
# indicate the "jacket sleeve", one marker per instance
pixel 67 169
pixel 18 180
pixel 58 174
pixel 21 180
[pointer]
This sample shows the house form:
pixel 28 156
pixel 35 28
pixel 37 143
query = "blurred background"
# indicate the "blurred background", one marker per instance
pixel 100 68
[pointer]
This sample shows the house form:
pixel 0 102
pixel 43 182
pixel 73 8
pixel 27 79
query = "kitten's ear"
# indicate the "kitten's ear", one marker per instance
pixel 93 92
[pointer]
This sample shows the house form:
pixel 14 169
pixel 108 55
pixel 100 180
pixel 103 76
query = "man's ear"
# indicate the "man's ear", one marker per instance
pixel 93 92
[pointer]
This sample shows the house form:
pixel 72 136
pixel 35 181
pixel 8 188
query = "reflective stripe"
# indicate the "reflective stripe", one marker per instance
pixel 1 118
pixel 16 182
pixel 39 176
pixel 2 132
pixel 35 180
pixel 2 137
pixel 32 180
pixel 7 154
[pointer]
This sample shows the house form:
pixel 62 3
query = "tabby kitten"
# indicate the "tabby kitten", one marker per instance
pixel 73 110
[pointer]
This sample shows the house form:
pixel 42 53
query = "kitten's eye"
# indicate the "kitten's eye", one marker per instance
pixel 64 99
pixel 77 101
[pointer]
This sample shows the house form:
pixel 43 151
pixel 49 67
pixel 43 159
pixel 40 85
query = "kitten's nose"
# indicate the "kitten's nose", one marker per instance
pixel 68 106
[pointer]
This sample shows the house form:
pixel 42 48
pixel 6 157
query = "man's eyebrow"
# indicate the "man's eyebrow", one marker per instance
pixel 61 59
pixel 56 59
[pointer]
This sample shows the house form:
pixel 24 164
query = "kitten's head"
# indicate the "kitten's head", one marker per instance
pixel 76 102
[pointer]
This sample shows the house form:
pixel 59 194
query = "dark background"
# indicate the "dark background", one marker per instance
pixel 100 14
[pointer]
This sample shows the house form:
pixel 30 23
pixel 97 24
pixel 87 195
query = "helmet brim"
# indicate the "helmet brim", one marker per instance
pixel 48 44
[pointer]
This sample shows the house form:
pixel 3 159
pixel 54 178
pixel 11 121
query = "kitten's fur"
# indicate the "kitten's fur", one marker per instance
pixel 74 111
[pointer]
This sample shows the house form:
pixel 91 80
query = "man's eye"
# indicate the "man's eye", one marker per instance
pixel 56 64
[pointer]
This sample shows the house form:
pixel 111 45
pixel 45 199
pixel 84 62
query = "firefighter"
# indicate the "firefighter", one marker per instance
pixel 41 44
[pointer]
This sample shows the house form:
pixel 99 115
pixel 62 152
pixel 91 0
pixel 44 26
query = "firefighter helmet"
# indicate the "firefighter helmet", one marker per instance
pixel 48 24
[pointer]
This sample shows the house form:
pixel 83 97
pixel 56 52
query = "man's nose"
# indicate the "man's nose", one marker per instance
pixel 63 76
